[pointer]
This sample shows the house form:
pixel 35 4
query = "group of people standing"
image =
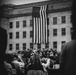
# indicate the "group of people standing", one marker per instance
pixel 22 62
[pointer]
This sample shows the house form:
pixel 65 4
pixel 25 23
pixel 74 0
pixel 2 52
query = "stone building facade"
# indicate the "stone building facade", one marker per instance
pixel 17 20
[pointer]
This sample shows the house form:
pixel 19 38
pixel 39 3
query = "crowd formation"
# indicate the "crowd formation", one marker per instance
pixel 21 62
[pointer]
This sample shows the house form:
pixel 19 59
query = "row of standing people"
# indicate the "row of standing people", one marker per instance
pixel 45 61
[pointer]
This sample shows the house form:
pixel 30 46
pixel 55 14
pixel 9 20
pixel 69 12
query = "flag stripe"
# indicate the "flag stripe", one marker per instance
pixel 41 23
pixel 43 28
pixel 46 25
pixel 34 30
pixel 39 29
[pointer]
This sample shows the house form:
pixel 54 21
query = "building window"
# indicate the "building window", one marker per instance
pixel 47 21
pixel 24 23
pixel 10 46
pixel 24 46
pixel 54 20
pixel 17 24
pixel 30 23
pixel 31 45
pixel 39 46
pixel 10 35
pixel 10 24
pixel 54 32
pixel 17 35
pixel 17 46
pixel 31 34
pixel 46 45
pixel 63 19
pixel 24 34
pixel 55 44
pixel 63 42
pixel 63 30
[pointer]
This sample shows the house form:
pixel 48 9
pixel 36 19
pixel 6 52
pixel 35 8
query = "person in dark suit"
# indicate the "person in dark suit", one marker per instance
pixel 3 46
pixel 68 50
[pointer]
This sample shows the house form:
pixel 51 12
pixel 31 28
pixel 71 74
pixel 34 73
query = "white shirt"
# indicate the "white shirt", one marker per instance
pixel 47 64
pixel 21 64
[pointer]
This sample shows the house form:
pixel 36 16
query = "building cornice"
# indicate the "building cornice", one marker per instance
pixel 17 15
pixel 59 10
pixel 12 6
pixel 26 9
pixel 30 14
pixel 40 3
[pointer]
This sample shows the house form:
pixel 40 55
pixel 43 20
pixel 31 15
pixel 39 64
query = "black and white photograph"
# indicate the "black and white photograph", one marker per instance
pixel 37 37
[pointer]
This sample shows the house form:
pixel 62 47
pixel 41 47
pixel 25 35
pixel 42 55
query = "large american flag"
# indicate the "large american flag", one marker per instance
pixel 40 27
